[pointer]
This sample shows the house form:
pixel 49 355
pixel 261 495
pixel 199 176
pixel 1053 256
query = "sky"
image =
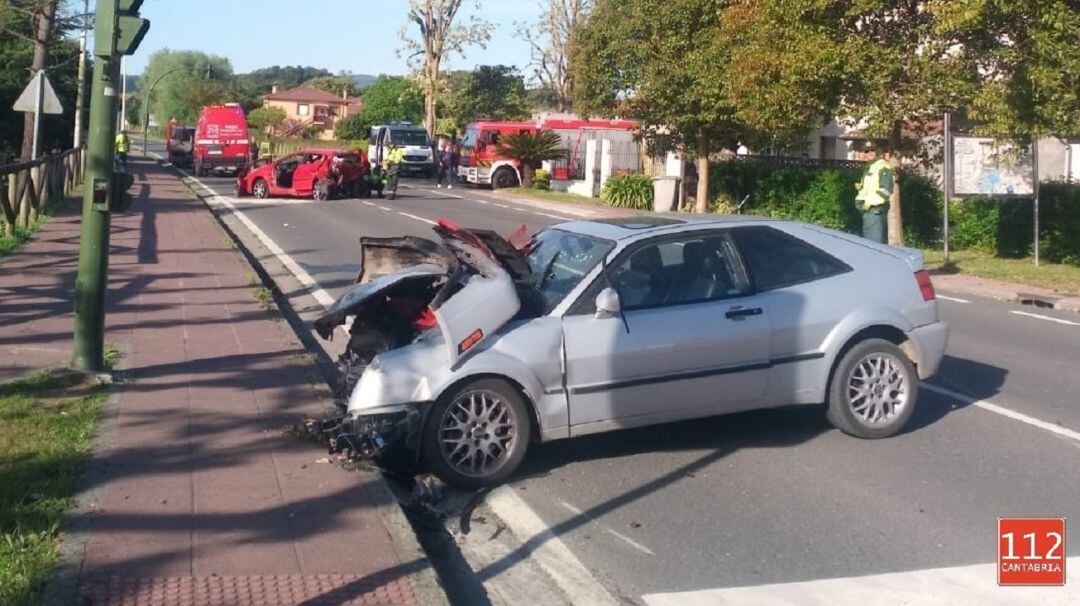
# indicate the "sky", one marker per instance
pixel 359 36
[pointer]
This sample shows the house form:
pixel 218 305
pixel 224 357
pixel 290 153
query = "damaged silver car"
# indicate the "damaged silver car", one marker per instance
pixel 466 348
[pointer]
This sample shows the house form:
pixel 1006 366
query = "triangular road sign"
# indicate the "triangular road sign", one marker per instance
pixel 50 103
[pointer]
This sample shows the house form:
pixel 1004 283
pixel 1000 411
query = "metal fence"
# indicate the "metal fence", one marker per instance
pixel 27 189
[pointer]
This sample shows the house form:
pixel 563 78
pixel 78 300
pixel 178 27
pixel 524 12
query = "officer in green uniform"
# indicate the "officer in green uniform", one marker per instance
pixel 875 188
pixel 123 146
pixel 392 163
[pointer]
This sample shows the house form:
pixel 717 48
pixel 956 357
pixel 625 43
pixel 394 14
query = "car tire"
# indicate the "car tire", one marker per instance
pixel 260 189
pixel 873 390
pixel 494 414
pixel 503 178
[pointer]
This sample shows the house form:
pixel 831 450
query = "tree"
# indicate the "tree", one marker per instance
pixel 659 61
pixel 20 51
pixel 335 84
pixel 530 149
pixel 391 99
pixel 352 128
pixel 265 119
pixel 438 37
pixel 1031 84
pixel 552 44
pixel 881 64
pixel 496 92
pixel 199 79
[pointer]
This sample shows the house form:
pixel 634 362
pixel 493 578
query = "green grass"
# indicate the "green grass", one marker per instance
pixel 46 422
pixel 1060 278
pixel 13 242
pixel 265 298
pixel 552 196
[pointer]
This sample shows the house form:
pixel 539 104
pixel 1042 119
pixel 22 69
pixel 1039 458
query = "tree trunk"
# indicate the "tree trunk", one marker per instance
pixel 430 118
pixel 701 201
pixel 896 217
pixel 43 27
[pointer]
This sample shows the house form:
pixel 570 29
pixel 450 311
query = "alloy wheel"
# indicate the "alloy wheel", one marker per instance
pixel 877 389
pixel 477 433
pixel 260 189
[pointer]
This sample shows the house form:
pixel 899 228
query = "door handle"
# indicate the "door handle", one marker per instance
pixel 740 312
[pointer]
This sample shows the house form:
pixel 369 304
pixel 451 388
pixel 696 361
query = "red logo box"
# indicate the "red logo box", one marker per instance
pixel 1031 551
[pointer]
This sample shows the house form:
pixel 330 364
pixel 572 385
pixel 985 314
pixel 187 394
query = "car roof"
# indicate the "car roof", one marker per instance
pixel 324 151
pixel 621 228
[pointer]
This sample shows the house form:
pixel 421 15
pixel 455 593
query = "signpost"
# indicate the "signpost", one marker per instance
pixel 38 98
pixel 980 166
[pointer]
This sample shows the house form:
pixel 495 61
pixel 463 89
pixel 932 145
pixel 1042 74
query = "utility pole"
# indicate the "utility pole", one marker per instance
pixel 118 31
pixel 123 95
pixel 80 95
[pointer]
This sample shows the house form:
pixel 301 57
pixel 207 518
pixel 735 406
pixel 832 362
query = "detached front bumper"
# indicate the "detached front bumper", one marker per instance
pixel 373 436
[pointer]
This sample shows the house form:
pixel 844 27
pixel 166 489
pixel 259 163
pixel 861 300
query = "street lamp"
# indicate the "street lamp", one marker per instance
pixel 146 121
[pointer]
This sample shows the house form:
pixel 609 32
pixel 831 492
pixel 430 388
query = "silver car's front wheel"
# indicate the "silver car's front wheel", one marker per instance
pixel 478 435
pixel 873 390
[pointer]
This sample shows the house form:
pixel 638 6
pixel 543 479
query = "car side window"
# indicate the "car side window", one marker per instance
pixel 776 259
pixel 678 271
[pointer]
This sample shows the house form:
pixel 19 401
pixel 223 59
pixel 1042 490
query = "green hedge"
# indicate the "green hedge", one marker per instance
pixel 628 191
pixel 1005 227
pixel 825 196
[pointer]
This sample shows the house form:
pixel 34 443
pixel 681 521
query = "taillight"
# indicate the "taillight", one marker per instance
pixel 925 285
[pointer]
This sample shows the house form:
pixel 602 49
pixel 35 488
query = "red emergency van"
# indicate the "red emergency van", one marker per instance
pixel 221 139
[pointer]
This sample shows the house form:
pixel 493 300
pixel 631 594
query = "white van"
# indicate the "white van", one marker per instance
pixel 414 141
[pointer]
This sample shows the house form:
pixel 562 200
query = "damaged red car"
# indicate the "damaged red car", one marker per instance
pixel 321 174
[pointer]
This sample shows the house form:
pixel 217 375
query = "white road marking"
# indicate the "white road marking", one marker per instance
pixel 411 216
pixel 1047 318
pixel 501 205
pixel 549 215
pixel 973 585
pixel 385 208
pixel 953 299
pixel 631 542
pixel 1005 412
pixel 547 549
pixel 369 203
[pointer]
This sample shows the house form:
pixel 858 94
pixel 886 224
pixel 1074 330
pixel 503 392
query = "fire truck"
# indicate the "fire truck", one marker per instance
pixel 482 162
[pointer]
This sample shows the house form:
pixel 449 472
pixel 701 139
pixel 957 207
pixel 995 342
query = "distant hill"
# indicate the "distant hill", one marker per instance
pixel 363 80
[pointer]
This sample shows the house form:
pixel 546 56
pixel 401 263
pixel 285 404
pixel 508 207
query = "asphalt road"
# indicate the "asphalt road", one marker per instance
pixel 776 496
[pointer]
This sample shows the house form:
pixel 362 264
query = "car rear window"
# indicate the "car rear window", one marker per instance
pixel 776 259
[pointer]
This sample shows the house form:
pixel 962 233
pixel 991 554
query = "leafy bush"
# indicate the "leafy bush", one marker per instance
pixel 352 127
pixel 542 179
pixel 824 196
pixel 632 191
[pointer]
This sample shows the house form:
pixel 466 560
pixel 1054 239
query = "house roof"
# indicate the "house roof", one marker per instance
pixel 305 93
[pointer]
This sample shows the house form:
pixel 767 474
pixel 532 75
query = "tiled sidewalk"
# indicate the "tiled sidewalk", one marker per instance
pixel 201 496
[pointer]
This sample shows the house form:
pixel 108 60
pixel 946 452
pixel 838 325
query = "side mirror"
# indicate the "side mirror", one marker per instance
pixel 607 303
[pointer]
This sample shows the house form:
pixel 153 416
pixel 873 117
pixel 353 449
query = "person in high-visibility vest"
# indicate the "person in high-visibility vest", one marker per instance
pixel 392 163
pixel 875 188
pixel 123 146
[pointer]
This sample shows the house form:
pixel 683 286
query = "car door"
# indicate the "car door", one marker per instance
pixel 306 173
pixel 691 339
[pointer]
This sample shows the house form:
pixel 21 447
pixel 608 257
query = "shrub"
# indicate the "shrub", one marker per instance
pixel 633 191
pixel 542 179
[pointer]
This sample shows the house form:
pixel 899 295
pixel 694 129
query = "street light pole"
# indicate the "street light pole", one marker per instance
pixel 146 121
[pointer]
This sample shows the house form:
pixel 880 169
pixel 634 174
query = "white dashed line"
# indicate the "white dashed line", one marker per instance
pixel 389 210
pixel 501 205
pixel 631 542
pixel 1005 412
pixel 369 203
pixel 411 216
pixel 551 216
pixel 953 299
pixel 1047 318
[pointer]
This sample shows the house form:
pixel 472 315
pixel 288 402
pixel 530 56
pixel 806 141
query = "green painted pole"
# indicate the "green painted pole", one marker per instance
pixel 91 283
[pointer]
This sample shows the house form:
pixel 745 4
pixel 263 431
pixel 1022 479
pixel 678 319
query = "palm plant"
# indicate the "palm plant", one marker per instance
pixel 530 149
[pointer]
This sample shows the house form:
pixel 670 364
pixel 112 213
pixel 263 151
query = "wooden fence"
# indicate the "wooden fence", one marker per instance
pixel 28 188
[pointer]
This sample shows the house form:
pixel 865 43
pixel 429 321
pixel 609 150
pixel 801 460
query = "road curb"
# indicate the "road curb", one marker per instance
pixel 426 584
pixel 1004 291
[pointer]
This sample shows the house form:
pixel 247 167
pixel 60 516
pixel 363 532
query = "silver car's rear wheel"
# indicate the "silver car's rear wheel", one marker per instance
pixel 873 390
pixel 478 435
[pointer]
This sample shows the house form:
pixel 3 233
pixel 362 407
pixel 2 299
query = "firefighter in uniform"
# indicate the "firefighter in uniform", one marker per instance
pixel 123 146
pixel 392 163
pixel 875 188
